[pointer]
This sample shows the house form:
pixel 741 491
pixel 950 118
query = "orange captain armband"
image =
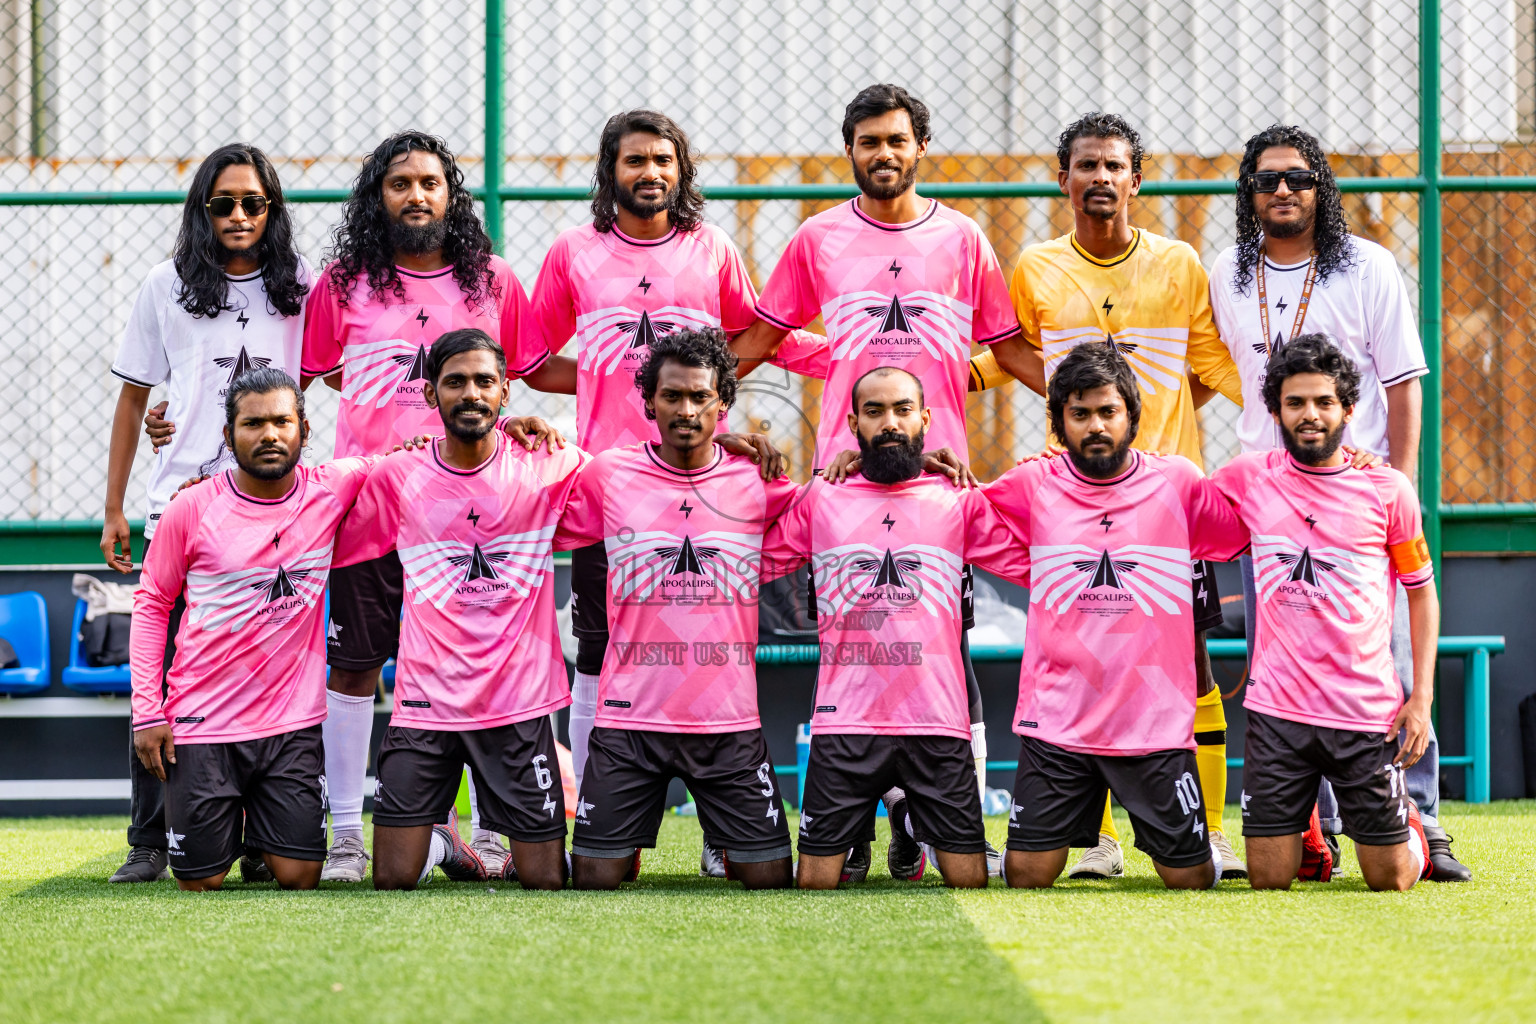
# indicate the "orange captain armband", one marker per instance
pixel 1410 557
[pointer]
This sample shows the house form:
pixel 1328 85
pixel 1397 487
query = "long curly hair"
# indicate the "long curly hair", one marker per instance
pixel 1330 229
pixel 362 246
pixel 199 256
pixel 685 208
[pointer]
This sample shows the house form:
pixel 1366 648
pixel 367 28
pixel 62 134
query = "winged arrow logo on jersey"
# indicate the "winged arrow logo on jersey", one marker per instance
pixel 281 585
pixel 1106 570
pixel 889 571
pixel 1123 347
pixel 478 564
pixel 417 363
pixel 1304 567
pixel 686 558
pixel 894 318
pixel 242 363
pixel 646 330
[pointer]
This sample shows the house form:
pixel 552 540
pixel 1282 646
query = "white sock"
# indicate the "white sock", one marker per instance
pixel 979 752
pixel 346 732
pixel 1215 863
pixel 435 854
pixel 1419 852
pixel 583 713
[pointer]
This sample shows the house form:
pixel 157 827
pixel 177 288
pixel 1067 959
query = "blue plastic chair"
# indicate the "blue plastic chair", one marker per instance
pixel 24 623
pixel 79 675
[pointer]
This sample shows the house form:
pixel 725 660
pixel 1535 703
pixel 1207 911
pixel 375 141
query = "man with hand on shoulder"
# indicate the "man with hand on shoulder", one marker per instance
pixel 892 717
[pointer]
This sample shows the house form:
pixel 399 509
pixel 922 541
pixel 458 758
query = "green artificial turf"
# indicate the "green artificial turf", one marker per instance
pixel 677 947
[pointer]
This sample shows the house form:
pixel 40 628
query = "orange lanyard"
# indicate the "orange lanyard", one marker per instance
pixel 1301 305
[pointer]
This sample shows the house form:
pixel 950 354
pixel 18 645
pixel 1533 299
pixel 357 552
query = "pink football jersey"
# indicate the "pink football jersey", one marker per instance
pixel 886 561
pixel 912 295
pixel 1329 545
pixel 683 556
pixel 478 642
pixel 250 654
pixel 615 295
pixel 1109 652
pixel 380 343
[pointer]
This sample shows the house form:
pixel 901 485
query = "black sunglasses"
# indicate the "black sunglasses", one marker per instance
pixel 253 205
pixel 1296 181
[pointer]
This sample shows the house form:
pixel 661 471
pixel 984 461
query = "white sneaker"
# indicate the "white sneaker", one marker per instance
pixel 345 861
pixel 492 854
pixel 1231 867
pixel 1102 861
pixel 711 861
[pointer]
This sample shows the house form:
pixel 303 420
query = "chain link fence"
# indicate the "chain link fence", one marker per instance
pixel 121 100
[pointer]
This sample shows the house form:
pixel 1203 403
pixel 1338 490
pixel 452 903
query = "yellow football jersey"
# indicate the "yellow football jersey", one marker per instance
pixel 1153 302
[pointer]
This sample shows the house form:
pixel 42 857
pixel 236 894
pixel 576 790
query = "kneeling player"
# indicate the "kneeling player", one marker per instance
pixel 1323 700
pixel 1106 694
pixel 473 519
pixel 238 732
pixel 682 522
pixel 887 550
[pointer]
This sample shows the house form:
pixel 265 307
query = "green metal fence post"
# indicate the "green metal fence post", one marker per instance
pixel 493 84
pixel 1431 271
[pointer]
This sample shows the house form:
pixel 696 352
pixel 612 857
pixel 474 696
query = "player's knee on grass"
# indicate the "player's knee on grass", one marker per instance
pixel 1387 868
pixel 1200 876
pixel 292 873
pixel 1031 869
pixel 600 873
pixel 354 682
pixel 210 884
pixel 399 854
pixel 764 874
pixel 1272 860
pixel 962 870
pixel 820 872
pixel 540 865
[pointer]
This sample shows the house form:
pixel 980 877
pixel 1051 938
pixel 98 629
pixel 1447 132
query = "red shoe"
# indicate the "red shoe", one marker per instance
pixel 462 864
pixel 1316 858
pixel 1416 823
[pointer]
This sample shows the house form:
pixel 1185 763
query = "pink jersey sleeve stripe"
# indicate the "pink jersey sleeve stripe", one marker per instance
pixel 539 360
pixel 776 321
